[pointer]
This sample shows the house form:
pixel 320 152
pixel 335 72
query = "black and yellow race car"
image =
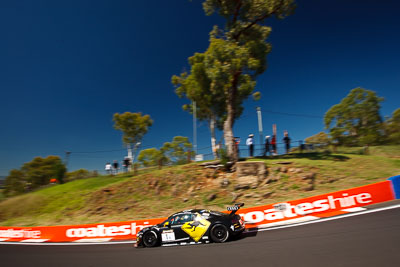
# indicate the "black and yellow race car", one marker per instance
pixel 192 227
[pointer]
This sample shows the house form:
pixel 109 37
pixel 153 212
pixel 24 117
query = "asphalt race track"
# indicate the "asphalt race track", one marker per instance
pixel 365 240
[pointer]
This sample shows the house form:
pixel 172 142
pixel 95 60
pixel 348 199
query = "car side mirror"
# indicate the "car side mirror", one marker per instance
pixel 166 224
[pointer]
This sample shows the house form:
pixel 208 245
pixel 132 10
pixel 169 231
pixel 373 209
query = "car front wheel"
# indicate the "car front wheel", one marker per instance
pixel 219 233
pixel 150 239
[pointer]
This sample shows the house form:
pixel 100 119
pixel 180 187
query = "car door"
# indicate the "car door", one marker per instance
pixel 173 233
pixel 183 218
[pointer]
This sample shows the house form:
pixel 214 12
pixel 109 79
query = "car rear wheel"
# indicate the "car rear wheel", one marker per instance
pixel 150 239
pixel 219 233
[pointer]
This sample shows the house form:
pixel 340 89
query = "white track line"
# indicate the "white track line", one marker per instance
pixel 92 240
pixel 291 221
pixel 328 219
pixel 69 244
pixel 34 240
pixel 355 209
pixel 259 230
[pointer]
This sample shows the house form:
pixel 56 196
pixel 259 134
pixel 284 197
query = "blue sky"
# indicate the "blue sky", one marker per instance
pixel 67 66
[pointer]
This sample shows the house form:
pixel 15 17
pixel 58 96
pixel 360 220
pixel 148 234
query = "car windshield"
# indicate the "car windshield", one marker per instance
pixel 167 220
pixel 178 219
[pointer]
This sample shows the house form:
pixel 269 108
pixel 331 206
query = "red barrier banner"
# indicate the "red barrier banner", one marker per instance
pixel 261 216
pixel 319 206
pixel 78 233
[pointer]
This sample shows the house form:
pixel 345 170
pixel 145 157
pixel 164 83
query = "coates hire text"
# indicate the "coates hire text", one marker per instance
pixel 306 208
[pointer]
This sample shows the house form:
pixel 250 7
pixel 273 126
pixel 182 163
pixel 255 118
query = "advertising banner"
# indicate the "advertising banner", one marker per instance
pixel 77 233
pixel 319 206
pixel 261 216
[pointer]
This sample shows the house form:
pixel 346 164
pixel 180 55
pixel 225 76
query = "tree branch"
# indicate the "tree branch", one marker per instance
pixel 236 14
pixel 236 37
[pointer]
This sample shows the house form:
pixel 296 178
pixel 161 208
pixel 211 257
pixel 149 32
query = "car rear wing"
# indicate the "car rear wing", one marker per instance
pixel 235 208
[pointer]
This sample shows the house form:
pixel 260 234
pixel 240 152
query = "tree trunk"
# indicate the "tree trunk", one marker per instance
pixel 231 149
pixel 229 140
pixel 213 139
pixel 159 164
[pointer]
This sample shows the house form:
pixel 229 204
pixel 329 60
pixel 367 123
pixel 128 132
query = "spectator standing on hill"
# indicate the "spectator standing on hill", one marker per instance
pixel 126 163
pixel 250 144
pixel 286 140
pixel 267 146
pixel 115 167
pixel 108 168
pixel 273 145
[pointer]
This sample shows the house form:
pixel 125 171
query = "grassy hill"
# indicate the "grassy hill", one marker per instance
pixel 158 193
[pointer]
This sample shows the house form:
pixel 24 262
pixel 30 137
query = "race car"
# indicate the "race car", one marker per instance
pixel 192 227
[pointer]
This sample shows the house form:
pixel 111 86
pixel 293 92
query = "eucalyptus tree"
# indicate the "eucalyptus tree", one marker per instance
pixel 196 86
pixel 133 126
pixel 34 174
pixel 319 138
pixel 356 119
pixel 237 53
pixel 152 157
pixel 179 151
pixel 393 127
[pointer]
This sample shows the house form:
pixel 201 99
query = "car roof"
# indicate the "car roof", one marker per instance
pixel 201 211
pixel 189 211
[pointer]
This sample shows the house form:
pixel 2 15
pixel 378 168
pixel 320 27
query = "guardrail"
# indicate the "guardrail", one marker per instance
pixel 295 211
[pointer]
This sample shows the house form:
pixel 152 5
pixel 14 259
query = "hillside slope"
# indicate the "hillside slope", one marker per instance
pixel 160 192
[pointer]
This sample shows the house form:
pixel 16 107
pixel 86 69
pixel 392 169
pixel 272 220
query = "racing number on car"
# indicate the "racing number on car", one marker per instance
pixel 197 228
pixel 168 235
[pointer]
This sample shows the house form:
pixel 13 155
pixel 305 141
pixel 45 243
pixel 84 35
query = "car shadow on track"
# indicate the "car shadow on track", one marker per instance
pixel 250 232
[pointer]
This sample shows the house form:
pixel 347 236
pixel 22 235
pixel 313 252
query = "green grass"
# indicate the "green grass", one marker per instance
pixel 157 193
pixel 386 151
pixel 53 202
pixel 2 196
pixel 334 171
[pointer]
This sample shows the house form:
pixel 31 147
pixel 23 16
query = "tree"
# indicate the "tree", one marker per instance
pixel 179 150
pixel 393 127
pixel 40 170
pixel 133 126
pixel 210 103
pixel 196 87
pixel 152 157
pixel 356 119
pixel 35 173
pixel 15 183
pixel 237 54
pixel 319 138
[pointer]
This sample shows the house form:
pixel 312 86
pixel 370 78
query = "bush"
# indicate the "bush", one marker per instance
pixel 223 155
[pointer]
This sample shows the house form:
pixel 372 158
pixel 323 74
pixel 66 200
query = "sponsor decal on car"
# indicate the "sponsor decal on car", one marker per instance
pixel 197 228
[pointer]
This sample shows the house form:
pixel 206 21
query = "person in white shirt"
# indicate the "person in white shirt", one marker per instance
pixel 249 143
pixel 108 168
